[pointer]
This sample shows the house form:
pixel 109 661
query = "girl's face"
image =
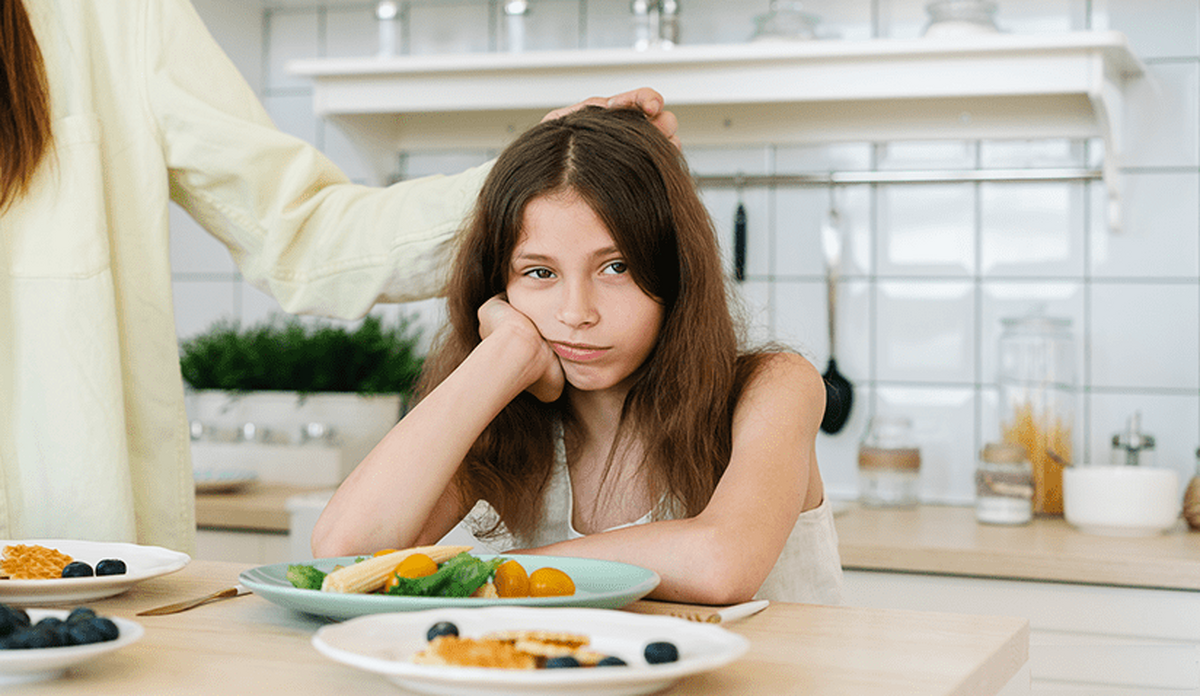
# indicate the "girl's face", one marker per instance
pixel 568 277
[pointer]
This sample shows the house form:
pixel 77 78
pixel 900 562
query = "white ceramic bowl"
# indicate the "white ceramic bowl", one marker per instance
pixel 1121 500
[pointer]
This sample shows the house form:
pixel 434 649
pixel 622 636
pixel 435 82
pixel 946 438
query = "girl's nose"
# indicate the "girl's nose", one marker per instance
pixel 578 307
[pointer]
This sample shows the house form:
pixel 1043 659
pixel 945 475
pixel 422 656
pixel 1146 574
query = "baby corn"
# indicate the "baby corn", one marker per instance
pixel 371 574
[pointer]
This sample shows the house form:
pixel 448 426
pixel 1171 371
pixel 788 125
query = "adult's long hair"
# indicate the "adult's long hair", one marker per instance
pixel 679 407
pixel 24 102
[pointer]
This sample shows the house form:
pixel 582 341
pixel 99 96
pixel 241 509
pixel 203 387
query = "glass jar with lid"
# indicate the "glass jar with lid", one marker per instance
pixel 1003 485
pixel 1037 400
pixel 889 463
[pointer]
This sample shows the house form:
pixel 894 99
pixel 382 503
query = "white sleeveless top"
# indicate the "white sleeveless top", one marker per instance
pixel 808 570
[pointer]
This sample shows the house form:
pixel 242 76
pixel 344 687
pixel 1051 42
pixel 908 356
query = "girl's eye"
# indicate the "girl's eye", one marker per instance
pixel 616 267
pixel 540 273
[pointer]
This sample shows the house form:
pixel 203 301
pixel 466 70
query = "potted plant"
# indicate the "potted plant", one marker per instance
pixel 294 380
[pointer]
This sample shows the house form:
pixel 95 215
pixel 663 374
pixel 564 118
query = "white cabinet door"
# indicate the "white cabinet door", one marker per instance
pixel 259 548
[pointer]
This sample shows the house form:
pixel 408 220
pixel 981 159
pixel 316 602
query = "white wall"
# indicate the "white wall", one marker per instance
pixel 929 269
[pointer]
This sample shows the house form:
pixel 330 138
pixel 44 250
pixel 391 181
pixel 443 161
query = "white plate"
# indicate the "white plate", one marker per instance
pixel 222 480
pixel 20 666
pixel 141 563
pixel 384 644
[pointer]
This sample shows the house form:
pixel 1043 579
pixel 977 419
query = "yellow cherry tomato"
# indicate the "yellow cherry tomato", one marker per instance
pixel 382 552
pixel 550 582
pixel 512 580
pixel 417 565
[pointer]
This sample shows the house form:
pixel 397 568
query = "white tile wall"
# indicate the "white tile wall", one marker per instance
pixel 928 270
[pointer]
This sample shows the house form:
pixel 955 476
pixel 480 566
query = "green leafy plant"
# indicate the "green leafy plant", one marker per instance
pixel 289 355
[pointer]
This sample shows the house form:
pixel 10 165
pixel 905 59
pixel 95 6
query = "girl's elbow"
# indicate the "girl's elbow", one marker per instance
pixel 327 542
pixel 728 586
pixel 731 575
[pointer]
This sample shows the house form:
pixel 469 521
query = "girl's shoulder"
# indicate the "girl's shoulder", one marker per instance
pixel 776 365
pixel 780 377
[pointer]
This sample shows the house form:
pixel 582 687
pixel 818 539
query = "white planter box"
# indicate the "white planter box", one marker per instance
pixel 358 423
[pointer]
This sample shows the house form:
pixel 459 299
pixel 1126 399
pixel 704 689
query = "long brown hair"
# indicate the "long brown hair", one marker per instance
pixel 679 408
pixel 24 102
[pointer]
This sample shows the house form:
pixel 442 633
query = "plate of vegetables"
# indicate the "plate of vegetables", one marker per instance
pixel 446 576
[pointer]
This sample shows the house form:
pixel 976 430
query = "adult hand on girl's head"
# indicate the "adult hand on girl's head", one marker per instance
pixel 646 99
pixel 497 313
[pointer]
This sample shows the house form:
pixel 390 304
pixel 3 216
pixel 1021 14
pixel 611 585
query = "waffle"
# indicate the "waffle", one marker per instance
pixel 471 652
pixel 33 562
pixel 547 639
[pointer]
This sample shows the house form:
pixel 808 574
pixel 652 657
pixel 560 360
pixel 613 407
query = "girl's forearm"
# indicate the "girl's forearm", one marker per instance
pixel 699 563
pixel 390 497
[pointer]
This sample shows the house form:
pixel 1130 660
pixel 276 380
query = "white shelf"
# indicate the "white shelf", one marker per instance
pixel 998 86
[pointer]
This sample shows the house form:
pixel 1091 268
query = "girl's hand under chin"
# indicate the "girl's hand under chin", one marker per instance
pixel 497 313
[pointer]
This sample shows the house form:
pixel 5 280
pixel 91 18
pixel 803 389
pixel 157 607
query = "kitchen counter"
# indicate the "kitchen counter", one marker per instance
pixel 946 540
pixel 258 507
pixel 248 645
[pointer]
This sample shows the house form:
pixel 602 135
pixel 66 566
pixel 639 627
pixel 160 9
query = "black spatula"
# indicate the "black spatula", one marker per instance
pixel 839 392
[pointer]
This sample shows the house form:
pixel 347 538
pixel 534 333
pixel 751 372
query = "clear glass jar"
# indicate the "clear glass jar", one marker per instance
pixel 960 17
pixel 889 463
pixel 1003 485
pixel 1037 400
pixel 786 21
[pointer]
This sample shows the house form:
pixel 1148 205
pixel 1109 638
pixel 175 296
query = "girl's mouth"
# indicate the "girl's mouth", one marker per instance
pixel 577 352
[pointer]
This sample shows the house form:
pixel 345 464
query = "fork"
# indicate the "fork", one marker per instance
pixel 732 613
pixel 190 603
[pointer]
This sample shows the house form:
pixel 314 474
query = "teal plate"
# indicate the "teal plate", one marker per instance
pixel 598 584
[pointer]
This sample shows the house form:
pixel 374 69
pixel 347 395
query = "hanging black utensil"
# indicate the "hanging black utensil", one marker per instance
pixel 739 243
pixel 839 392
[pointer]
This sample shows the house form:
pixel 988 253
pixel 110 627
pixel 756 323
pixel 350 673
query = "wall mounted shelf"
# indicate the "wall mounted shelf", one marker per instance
pixel 1001 86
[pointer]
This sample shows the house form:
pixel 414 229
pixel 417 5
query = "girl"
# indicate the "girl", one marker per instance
pixel 590 389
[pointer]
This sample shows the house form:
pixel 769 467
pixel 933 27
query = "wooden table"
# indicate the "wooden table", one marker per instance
pixel 250 646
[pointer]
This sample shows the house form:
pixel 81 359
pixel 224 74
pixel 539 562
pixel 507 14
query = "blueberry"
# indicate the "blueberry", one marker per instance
pixel 441 628
pixel 63 629
pixel 660 652
pixel 107 628
pixel 611 661
pixel 77 569
pixel 561 661
pixel 11 620
pixel 80 614
pixel 84 633
pixel 44 636
pixel 19 640
pixel 110 566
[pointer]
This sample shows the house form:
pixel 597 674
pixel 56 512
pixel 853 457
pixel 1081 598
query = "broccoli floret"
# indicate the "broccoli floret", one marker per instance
pixel 305 577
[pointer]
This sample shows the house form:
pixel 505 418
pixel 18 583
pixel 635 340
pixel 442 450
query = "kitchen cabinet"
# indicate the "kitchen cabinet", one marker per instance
pixel 250 525
pixel 1107 615
pixel 243 546
pixel 1068 85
